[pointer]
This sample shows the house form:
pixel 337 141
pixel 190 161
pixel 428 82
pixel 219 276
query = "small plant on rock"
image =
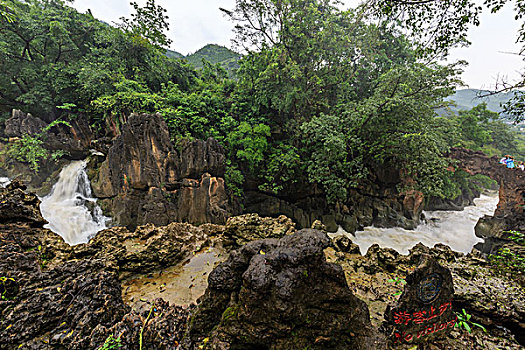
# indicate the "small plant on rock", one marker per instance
pixel 465 322
pixel 518 237
pixel 398 281
pixel 111 343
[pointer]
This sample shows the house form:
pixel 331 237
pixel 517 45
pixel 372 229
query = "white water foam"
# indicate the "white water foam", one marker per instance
pixel 4 181
pixel 453 228
pixel 70 208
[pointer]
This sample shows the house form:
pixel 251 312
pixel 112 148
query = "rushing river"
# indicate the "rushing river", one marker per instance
pixel 453 228
pixel 70 208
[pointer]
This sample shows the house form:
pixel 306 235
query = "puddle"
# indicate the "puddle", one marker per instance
pixel 181 284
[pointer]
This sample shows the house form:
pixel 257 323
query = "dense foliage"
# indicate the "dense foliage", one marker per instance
pixel 322 96
pixel 438 25
pixel 52 55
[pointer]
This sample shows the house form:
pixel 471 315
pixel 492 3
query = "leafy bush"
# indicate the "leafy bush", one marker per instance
pixel 29 149
pixel 511 260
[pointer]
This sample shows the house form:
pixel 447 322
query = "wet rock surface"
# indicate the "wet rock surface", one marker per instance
pixel 54 297
pixel 250 227
pixel 378 279
pixel 281 294
pixel 145 180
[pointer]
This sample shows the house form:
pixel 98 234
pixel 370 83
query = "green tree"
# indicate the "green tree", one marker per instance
pixel 53 55
pixel 6 13
pixel 149 22
pixel 438 25
pixel 434 26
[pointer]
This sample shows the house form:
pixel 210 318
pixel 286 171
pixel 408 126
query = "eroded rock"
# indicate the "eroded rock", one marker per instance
pixel 250 227
pixel 281 294
pixel 145 180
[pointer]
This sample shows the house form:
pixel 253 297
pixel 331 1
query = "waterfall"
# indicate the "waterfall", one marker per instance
pixel 453 228
pixel 70 208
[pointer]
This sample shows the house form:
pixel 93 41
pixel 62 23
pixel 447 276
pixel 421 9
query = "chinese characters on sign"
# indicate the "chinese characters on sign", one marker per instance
pixel 424 310
pixel 422 317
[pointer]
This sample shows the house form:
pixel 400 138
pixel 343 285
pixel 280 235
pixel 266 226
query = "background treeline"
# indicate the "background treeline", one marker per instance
pixel 320 97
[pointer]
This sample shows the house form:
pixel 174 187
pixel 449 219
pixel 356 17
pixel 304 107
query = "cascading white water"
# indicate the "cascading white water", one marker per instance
pixel 453 228
pixel 4 181
pixel 70 209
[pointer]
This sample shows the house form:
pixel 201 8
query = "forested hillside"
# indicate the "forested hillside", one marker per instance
pixel 325 105
pixel 466 99
pixel 215 54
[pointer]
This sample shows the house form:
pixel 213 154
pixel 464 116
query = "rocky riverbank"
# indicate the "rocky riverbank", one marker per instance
pixel 140 176
pixel 267 286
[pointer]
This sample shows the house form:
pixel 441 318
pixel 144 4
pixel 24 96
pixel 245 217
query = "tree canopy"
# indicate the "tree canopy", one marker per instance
pixel 322 96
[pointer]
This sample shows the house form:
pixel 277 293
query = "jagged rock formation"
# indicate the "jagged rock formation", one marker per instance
pixel 509 214
pixel 145 180
pixel 281 294
pixel 377 203
pixel 250 227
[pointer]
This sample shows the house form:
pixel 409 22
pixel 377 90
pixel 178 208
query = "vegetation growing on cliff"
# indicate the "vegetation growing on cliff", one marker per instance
pixel 321 96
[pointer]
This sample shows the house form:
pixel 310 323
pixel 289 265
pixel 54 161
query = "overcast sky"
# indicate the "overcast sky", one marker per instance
pixel 195 23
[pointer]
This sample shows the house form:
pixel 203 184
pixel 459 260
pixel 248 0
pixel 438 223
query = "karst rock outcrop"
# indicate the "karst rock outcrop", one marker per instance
pixel 281 294
pixel 144 179
pixel 53 297
pixel 377 202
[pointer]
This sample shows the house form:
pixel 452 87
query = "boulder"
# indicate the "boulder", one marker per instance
pixel 281 294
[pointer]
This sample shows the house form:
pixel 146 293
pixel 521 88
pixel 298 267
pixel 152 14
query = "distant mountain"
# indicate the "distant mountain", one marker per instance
pixel 469 98
pixel 227 58
pixel 174 54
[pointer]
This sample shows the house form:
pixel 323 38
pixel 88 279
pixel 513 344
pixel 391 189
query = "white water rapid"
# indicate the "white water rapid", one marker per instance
pixel 70 209
pixel 453 228
pixel 4 181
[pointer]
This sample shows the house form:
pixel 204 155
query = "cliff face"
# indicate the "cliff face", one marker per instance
pixel 75 141
pixel 377 203
pixel 145 180
pixel 509 214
